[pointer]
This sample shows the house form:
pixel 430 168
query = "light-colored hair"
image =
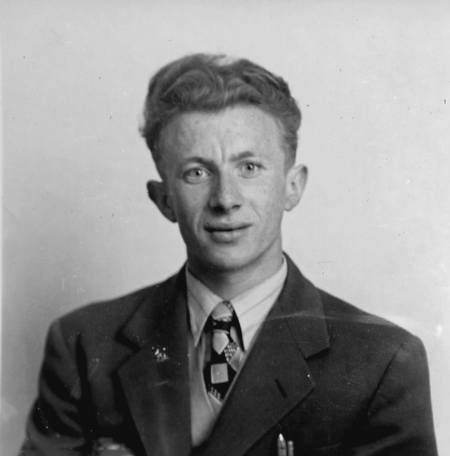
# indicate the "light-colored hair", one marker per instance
pixel 210 83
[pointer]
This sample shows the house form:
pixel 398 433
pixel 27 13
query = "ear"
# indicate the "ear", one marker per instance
pixel 295 185
pixel 157 191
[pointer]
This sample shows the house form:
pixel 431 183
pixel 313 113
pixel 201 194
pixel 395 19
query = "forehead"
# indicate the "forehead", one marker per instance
pixel 231 129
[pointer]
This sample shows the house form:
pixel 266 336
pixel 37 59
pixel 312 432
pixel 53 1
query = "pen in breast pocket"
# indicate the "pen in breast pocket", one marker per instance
pixel 281 445
pixel 290 448
pixel 285 449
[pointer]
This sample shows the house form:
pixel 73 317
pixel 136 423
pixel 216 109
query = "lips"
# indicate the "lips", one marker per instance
pixel 226 232
pixel 225 226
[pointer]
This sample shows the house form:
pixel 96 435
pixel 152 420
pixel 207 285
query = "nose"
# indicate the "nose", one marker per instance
pixel 226 195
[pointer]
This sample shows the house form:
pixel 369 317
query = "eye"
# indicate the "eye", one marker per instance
pixel 250 168
pixel 195 174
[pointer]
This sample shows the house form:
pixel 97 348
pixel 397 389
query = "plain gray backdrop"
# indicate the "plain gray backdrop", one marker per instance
pixel 372 80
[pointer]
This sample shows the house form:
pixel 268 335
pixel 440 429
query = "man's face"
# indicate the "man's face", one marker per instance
pixel 226 184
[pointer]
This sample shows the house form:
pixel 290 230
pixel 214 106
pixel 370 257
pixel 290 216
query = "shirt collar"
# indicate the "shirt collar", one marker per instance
pixel 202 301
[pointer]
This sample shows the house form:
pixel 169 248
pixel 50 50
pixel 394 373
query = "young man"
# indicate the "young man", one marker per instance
pixel 238 347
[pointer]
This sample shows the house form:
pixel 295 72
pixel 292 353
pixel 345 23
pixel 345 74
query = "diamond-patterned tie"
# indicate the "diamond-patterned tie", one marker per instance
pixel 226 355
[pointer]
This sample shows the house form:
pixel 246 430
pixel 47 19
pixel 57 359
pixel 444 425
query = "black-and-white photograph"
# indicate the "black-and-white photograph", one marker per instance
pixel 226 228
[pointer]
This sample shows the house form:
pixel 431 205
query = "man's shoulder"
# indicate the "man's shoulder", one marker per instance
pixel 109 315
pixel 348 324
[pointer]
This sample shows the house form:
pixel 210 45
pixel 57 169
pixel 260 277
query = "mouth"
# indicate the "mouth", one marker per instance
pixel 226 232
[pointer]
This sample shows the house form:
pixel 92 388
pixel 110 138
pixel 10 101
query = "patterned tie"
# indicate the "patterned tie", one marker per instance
pixel 226 355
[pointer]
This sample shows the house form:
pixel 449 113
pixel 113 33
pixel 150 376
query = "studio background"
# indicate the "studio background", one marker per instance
pixel 372 80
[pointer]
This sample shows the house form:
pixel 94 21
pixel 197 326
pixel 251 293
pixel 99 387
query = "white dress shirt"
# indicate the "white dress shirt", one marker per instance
pixel 251 308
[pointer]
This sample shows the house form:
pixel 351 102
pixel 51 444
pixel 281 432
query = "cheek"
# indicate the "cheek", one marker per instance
pixel 188 204
pixel 269 198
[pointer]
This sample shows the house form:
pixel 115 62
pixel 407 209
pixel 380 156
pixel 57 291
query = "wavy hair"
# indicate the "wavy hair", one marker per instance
pixel 210 83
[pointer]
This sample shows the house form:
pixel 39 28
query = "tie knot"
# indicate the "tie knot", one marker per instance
pixel 223 311
pixel 222 316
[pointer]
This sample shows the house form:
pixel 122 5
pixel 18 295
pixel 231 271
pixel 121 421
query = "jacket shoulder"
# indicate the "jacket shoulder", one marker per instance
pixel 109 316
pixel 353 325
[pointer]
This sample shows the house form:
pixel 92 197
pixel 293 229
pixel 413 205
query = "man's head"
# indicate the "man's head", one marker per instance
pixel 210 83
pixel 223 135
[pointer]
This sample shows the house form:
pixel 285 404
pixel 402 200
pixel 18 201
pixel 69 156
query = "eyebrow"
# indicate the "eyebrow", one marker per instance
pixel 234 158
pixel 241 155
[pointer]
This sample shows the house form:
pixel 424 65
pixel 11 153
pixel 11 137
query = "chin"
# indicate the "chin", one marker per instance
pixel 228 261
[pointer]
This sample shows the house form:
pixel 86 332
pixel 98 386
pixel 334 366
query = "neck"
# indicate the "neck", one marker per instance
pixel 231 283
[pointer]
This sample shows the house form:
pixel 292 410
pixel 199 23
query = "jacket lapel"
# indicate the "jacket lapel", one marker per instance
pixel 275 377
pixel 156 378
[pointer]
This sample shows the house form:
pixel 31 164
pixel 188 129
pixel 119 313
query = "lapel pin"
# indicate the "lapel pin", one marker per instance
pixel 160 354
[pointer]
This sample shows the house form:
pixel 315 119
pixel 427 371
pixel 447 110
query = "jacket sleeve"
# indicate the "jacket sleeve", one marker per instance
pixel 55 426
pixel 399 420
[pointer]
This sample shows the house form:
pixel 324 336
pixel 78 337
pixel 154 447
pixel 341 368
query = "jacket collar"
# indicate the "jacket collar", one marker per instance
pixel 303 311
pixel 156 378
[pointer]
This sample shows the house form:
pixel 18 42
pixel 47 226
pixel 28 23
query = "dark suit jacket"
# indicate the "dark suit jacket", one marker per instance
pixel 331 378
